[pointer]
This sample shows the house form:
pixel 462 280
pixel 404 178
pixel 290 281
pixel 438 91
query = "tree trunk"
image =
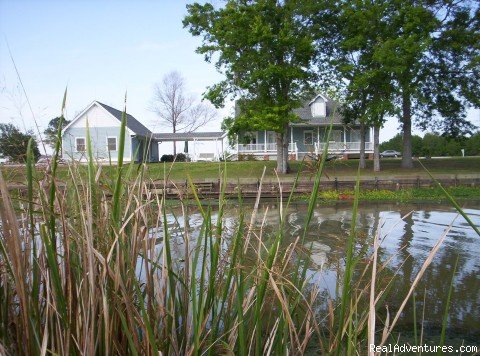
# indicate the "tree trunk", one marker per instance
pixel 363 163
pixel 376 148
pixel 282 151
pixel 174 143
pixel 407 131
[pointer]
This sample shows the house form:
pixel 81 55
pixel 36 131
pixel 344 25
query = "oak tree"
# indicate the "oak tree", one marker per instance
pixel 264 48
pixel 431 50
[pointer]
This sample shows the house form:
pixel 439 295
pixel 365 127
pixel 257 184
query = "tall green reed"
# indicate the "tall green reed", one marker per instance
pixel 95 268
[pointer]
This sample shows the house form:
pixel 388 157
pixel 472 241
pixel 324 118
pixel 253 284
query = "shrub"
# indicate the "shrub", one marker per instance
pixel 179 157
pixel 166 158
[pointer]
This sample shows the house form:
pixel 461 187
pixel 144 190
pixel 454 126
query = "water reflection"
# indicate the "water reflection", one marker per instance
pixel 408 233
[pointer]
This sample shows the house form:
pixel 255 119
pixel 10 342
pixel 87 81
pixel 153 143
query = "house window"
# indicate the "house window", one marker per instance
pixel 271 137
pixel 80 144
pixel 308 137
pixel 111 143
pixel 319 109
pixel 355 136
pixel 336 136
pixel 250 138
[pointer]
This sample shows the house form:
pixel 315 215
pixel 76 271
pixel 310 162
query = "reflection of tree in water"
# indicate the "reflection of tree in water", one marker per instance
pixel 331 226
pixel 464 309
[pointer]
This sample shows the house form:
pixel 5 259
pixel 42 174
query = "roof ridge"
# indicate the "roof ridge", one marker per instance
pixel 132 123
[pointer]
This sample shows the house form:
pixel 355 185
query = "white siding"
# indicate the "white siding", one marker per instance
pixel 97 117
pixel 319 108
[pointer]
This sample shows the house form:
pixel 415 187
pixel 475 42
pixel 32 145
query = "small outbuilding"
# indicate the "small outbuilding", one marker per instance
pixel 103 123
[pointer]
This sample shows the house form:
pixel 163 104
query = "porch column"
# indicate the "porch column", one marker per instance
pixel 344 137
pixel 318 140
pixel 372 133
pixel 291 136
pixel 221 145
pixel 195 149
pixel 265 142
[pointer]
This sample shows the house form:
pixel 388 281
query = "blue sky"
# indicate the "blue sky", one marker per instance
pixel 100 50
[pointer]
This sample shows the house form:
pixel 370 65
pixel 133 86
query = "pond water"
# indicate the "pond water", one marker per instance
pixel 407 233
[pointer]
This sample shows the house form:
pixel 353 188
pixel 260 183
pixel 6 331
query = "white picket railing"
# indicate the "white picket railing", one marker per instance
pixel 343 146
pixel 333 147
pixel 263 147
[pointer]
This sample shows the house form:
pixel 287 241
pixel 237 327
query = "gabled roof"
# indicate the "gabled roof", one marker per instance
pixel 135 126
pixel 305 112
pixel 318 96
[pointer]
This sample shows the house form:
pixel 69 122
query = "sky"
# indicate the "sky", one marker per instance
pixel 100 50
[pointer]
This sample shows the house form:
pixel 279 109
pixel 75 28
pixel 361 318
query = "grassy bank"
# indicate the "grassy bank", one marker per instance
pixel 403 195
pixel 254 169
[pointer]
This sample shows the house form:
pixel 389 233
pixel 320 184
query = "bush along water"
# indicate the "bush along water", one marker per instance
pixel 94 267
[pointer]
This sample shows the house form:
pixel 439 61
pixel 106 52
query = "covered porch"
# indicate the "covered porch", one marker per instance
pixel 307 140
pixel 192 148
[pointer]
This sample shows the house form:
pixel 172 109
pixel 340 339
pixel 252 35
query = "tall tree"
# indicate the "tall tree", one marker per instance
pixel 52 129
pixel 426 53
pixel 349 32
pixel 13 143
pixel 176 108
pixel 432 50
pixel 265 50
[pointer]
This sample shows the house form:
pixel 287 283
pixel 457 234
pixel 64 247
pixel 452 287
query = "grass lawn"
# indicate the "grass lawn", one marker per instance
pixel 339 168
pixel 199 171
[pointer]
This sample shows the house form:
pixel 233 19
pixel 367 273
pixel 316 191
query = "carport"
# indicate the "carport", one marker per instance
pixel 195 137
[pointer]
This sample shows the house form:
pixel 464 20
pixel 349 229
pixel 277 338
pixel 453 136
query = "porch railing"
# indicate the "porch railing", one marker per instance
pixel 333 147
pixel 264 147
pixel 343 146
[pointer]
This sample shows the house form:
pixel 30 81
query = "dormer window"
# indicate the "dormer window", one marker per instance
pixel 318 107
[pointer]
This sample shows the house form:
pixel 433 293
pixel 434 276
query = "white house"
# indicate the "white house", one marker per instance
pixel 104 128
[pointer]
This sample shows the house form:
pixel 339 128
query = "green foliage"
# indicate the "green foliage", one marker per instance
pixel 349 37
pixel 417 145
pixel 14 143
pixel 179 157
pixel 52 130
pixel 472 145
pixel 265 50
pixel 421 57
pixel 402 195
pixel 395 143
pixel 434 145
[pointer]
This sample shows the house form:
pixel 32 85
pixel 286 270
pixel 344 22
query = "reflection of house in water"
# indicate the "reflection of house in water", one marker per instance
pixel 328 234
